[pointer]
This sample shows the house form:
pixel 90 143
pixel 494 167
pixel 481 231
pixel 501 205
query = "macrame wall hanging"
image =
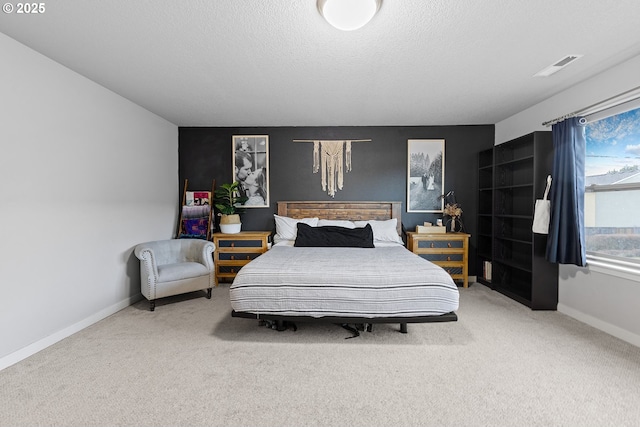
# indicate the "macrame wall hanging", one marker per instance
pixel 332 158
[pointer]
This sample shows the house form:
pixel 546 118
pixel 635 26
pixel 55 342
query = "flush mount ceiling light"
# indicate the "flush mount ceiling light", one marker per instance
pixel 348 15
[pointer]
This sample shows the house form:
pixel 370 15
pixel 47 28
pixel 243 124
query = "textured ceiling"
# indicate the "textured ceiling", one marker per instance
pixel 278 63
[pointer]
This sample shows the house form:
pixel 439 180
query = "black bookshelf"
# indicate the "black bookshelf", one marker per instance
pixel 519 268
pixel 484 233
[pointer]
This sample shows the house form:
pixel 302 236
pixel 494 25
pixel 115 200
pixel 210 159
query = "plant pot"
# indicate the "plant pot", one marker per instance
pixel 229 219
pixel 230 228
pixel 230 224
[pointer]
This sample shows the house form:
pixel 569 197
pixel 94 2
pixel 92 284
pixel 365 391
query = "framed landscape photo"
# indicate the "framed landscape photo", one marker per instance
pixel 251 168
pixel 425 175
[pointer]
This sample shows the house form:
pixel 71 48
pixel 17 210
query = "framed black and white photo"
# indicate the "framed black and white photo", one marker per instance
pixel 251 168
pixel 425 175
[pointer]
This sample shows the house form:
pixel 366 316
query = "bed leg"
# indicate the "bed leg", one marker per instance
pixel 403 328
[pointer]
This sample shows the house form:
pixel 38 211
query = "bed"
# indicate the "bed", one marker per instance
pixel 301 280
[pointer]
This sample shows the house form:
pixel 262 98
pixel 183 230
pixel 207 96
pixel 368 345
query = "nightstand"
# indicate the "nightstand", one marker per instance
pixel 235 250
pixel 448 250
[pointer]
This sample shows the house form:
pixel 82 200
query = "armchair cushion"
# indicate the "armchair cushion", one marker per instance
pixel 181 270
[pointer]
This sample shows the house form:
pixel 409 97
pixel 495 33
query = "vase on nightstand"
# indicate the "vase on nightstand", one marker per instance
pixel 454 225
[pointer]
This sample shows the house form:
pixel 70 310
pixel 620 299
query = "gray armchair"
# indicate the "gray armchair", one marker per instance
pixel 176 266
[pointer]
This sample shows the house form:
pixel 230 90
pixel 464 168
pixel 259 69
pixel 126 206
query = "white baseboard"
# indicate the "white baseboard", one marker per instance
pixel 616 331
pixel 23 353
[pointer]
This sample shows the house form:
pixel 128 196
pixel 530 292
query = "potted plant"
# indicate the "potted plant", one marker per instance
pixel 229 200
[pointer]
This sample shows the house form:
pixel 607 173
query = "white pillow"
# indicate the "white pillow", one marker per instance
pixel 336 222
pixel 383 231
pixel 287 228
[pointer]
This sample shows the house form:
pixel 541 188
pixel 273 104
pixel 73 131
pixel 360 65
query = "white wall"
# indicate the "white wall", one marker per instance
pixel 605 301
pixel 605 85
pixel 85 175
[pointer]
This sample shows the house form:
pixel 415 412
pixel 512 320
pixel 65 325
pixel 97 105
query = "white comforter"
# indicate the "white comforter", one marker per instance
pixel 345 282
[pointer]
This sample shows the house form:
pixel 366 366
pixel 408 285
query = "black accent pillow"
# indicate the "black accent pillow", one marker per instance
pixel 334 236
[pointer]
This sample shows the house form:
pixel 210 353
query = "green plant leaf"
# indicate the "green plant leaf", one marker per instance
pixel 228 199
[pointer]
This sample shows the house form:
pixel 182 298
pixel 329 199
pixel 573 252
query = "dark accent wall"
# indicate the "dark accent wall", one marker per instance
pixel 379 167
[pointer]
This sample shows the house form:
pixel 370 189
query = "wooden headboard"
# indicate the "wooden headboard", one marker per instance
pixel 353 211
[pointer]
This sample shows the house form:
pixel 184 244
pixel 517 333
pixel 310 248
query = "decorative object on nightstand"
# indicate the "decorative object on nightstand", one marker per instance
pixel 454 211
pixel 448 250
pixel 235 250
pixel 429 228
pixel 229 200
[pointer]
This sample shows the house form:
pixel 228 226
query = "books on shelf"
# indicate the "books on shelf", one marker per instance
pixel 197 198
pixel 486 270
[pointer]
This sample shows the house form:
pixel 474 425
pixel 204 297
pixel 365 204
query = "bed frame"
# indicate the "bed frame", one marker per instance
pixel 353 211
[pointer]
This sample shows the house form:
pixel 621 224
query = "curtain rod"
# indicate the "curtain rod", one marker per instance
pixel 598 106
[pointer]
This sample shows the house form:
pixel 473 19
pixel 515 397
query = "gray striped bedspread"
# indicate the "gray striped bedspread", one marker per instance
pixel 346 282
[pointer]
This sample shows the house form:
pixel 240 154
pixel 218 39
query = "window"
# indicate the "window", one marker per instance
pixel 612 193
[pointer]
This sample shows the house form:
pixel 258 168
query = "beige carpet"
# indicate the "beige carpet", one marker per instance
pixel 190 364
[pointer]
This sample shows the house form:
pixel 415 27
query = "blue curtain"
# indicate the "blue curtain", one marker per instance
pixel 566 240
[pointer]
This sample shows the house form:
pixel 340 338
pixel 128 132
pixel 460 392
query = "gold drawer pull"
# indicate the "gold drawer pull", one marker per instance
pixel 449 244
pixel 233 244
pixel 233 257
pixel 448 258
pixel 248 257
pixel 432 244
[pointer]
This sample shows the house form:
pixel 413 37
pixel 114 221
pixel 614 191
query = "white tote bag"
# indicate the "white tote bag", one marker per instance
pixel 542 212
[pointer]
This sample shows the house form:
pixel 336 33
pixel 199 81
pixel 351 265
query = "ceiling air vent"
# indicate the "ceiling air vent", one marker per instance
pixel 559 65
